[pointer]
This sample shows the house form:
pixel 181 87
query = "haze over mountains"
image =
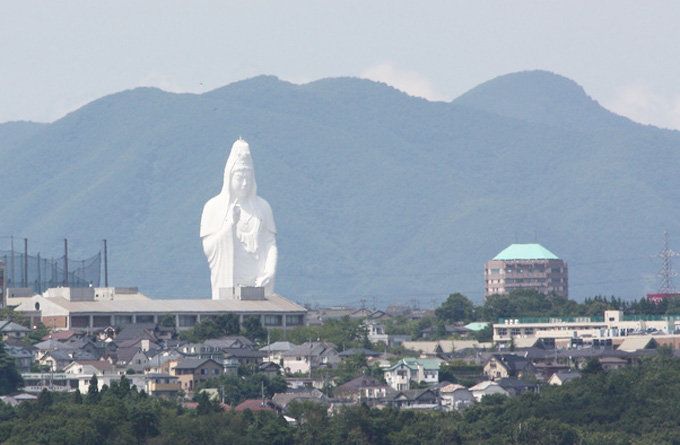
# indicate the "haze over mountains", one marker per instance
pixel 375 193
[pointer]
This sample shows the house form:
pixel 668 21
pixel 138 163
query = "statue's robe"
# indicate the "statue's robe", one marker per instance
pixel 231 261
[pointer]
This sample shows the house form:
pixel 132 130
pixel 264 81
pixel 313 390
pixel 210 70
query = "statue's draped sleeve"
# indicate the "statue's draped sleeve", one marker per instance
pixel 218 244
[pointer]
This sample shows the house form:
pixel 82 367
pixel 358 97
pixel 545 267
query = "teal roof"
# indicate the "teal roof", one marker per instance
pixel 477 325
pixel 525 252
pixel 411 362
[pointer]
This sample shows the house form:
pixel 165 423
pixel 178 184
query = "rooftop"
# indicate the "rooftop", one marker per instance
pixel 274 303
pixel 525 252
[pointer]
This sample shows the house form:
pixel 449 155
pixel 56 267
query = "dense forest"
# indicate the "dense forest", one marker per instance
pixel 632 405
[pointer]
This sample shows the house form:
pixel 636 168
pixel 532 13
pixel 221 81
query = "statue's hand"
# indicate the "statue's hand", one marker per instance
pixel 233 214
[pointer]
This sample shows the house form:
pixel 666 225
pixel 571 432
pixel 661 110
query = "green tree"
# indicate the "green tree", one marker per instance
pixel 10 378
pixel 93 395
pixel 350 368
pixel 77 397
pixel 456 308
pixel 168 321
pixel 253 329
pixel 592 366
pixel 45 400
pixel 228 324
pixel 38 333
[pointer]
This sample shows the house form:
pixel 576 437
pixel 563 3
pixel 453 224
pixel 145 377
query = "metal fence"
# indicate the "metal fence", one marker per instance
pixel 42 273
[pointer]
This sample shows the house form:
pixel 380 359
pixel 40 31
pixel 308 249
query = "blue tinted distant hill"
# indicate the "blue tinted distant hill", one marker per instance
pixel 375 193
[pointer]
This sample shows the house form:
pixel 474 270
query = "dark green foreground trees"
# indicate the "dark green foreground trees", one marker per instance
pixel 635 405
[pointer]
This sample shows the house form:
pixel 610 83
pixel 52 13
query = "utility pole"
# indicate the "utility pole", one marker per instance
pixel 39 281
pixel 25 280
pixel 106 267
pixel 65 262
pixel 11 259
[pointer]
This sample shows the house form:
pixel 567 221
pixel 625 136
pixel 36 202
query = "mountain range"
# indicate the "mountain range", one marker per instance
pixel 377 195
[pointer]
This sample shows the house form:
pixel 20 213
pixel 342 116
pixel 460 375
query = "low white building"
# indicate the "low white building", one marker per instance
pixel 613 324
pixel 84 309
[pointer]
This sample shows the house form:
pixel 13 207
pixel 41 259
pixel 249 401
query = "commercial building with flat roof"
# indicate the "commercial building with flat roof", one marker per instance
pixel 83 308
pixel 526 266
pixel 588 329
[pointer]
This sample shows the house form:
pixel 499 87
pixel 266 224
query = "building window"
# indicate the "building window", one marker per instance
pixel 273 320
pixel 119 320
pixel 186 321
pixel 294 320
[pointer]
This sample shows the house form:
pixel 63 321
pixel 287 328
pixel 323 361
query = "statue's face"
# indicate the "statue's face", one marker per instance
pixel 242 183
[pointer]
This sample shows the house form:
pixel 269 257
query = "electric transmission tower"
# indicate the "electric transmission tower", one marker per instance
pixel 666 274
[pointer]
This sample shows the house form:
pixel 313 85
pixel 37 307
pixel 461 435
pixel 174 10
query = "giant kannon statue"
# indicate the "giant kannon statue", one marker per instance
pixel 238 231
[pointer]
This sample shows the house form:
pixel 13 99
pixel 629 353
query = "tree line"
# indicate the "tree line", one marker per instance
pixel 631 405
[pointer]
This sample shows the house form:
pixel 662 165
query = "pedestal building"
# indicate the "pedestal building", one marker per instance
pixel 525 266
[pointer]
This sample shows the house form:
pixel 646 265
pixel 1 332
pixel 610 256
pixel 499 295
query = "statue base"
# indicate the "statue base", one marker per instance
pixel 242 293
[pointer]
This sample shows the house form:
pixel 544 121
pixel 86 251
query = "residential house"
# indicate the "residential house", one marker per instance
pixel 257 405
pixel 270 369
pixel 55 360
pixel 375 332
pixel 83 370
pixel 9 329
pixel 368 353
pixel 243 356
pixel 133 358
pixel 515 387
pixel 363 388
pixel 23 358
pixel 421 370
pixel 561 377
pixel 275 350
pixel 236 341
pixel 609 363
pixel 308 356
pixel 426 399
pixel 487 388
pixel 164 385
pixel 508 365
pixel 455 397
pixel 65 336
pixel 192 371
pixel 202 350
pixel 164 362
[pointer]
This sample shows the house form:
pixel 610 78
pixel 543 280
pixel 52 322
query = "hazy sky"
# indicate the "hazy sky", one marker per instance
pixel 57 56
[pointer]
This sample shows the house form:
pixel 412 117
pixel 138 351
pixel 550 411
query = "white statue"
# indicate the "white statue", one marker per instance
pixel 237 229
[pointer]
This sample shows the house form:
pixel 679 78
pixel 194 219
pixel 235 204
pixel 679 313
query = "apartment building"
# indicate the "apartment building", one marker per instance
pixel 526 266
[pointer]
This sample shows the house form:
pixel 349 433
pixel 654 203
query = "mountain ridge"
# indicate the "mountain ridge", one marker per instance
pixel 374 192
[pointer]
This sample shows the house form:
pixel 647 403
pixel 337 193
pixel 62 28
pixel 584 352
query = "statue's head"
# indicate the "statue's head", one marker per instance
pixel 239 174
